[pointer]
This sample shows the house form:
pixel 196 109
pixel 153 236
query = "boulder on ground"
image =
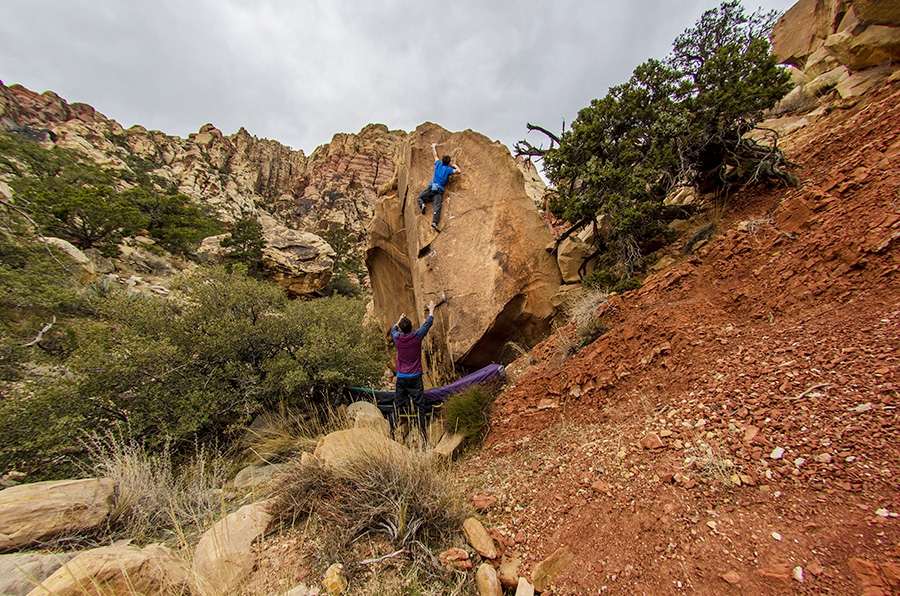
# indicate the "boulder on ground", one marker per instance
pixel 350 445
pixel 487 582
pixel 255 475
pixel 367 415
pixel 19 572
pixel 547 570
pixel 479 539
pixel 300 261
pixel 118 570
pixel 42 510
pixel 223 557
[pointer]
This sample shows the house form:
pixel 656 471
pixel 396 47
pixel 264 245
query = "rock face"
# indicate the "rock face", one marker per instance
pixel 487 270
pixel 340 188
pixel 31 512
pixel 829 41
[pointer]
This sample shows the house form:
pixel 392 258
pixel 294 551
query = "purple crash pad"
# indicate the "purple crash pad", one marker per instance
pixel 482 375
pixel 385 399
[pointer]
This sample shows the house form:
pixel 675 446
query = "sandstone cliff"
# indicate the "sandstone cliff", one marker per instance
pixel 487 269
pixel 847 46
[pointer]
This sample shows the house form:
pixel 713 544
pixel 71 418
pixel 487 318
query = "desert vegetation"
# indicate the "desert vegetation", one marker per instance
pixel 677 122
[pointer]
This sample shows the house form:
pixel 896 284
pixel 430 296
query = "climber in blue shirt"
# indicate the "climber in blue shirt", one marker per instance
pixel 434 192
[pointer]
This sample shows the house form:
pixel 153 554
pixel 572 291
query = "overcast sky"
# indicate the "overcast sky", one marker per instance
pixel 300 71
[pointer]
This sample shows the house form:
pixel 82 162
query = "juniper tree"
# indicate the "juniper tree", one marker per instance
pixel 677 121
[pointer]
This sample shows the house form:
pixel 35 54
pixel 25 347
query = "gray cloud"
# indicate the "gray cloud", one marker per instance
pixel 301 71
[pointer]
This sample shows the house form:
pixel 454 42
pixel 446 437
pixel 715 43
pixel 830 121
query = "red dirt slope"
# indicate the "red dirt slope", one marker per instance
pixel 767 366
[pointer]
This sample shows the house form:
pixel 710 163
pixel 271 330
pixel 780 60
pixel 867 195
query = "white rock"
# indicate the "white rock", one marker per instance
pixel 777 453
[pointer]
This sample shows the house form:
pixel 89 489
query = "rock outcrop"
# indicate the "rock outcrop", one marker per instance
pixel 845 45
pixel 487 270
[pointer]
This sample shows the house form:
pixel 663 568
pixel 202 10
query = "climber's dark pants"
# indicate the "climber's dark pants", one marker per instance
pixel 409 388
pixel 429 195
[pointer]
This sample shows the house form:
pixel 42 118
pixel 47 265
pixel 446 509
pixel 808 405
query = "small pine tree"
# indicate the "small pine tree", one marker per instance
pixel 245 244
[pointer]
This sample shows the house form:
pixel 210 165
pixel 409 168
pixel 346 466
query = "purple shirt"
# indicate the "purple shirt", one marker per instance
pixel 409 349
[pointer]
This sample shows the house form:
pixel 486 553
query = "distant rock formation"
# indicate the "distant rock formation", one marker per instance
pixel 235 175
pixel 488 269
pixel 842 45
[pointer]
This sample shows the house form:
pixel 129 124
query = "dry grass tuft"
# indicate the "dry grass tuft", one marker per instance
pixel 154 498
pixel 287 432
pixel 403 496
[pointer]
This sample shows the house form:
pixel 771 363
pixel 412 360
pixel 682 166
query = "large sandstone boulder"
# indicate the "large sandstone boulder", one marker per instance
pixel 72 251
pixel 118 570
pixel 340 447
pixel 855 33
pixel 300 261
pixel 224 557
pixel 488 269
pixel 41 510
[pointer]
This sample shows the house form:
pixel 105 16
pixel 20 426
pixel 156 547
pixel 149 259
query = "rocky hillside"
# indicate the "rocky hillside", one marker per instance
pixel 734 429
pixel 237 174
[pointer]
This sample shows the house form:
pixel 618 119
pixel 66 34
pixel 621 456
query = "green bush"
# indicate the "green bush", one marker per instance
pixel 245 244
pixel 172 220
pixel 167 371
pixel 610 281
pixel 468 413
pixel 77 200
pixel 39 288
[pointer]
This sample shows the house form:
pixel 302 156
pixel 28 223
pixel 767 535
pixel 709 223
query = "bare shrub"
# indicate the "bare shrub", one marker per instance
pixel 153 497
pixel 710 464
pixel 582 309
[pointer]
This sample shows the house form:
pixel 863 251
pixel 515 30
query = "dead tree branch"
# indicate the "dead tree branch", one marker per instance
pixel 40 334
pixel 527 149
